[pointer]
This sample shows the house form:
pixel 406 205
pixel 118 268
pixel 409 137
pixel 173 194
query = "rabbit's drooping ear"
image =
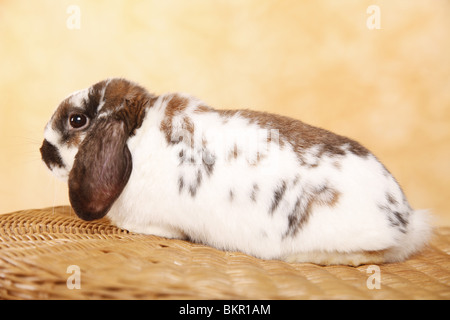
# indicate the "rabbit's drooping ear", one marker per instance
pixel 101 169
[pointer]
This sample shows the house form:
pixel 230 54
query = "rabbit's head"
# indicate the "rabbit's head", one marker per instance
pixel 85 141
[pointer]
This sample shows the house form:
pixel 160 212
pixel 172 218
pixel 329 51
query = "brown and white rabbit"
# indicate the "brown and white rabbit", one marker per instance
pixel 239 180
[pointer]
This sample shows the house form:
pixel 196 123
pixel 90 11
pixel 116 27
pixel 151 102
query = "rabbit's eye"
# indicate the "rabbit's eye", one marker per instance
pixel 78 120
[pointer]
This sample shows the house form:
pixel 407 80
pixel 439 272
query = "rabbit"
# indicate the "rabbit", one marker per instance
pixel 237 180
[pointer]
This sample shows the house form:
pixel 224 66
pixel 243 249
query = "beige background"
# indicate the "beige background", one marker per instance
pixel 317 61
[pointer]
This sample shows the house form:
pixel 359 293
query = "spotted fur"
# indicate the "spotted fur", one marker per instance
pixel 260 183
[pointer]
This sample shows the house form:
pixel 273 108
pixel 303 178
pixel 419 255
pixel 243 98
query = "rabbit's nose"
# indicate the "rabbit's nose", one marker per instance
pixel 50 155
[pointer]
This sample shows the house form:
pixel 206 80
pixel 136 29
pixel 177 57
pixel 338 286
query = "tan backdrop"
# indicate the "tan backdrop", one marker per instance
pixel 377 71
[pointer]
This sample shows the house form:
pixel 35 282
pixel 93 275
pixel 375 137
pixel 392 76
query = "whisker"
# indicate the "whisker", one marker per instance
pixel 54 197
pixel 25 140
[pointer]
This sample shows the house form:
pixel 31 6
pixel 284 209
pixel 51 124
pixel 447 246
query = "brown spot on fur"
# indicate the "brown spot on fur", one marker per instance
pixel 231 195
pixel 337 165
pixel 115 94
pixel 304 217
pixel 300 214
pixel 208 160
pixel 188 134
pixel 398 219
pixel 129 101
pixel 277 196
pixel 233 153
pixel 259 156
pixel 390 198
pixel 202 108
pixel 326 196
pixel 174 107
pixel 181 156
pixel 254 192
pixel 334 198
pixel 295 219
pixel 191 186
pixel 180 184
pixel 188 125
pixel 298 134
pixel 192 191
pixel 199 178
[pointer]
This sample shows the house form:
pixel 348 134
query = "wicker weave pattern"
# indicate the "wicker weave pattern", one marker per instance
pixel 37 246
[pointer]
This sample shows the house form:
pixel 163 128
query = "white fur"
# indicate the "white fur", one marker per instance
pixel 152 196
pixel 223 214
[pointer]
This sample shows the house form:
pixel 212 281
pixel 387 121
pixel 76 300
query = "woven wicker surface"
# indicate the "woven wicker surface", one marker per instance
pixel 37 247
